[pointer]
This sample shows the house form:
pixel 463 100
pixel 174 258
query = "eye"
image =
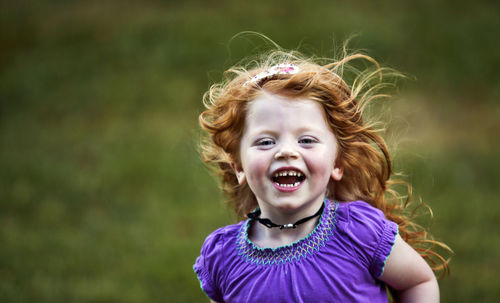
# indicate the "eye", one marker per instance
pixel 265 142
pixel 307 140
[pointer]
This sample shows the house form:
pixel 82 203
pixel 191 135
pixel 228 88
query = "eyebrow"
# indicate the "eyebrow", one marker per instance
pixel 301 130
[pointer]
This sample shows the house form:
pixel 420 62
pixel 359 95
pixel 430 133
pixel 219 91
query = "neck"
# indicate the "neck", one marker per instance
pixel 272 238
pixel 270 224
pixel 264 235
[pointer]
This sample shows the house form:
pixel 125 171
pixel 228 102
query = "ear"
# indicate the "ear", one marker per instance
pixel 240 174
pixel 337 173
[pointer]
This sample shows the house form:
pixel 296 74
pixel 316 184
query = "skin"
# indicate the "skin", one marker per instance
pixel 409 274
pixel 280 132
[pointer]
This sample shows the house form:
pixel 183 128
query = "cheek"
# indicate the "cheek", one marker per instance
pixel 255 168
pixel 323 163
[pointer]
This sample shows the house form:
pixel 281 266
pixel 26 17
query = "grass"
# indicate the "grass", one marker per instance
pixel 103 197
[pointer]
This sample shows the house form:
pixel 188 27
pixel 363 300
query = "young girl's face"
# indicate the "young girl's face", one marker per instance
pixel 287 153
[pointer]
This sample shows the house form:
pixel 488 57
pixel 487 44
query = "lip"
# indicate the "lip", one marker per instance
pixel 286 189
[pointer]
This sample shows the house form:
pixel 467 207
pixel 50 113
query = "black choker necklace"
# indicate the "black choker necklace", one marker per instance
pixel 268 223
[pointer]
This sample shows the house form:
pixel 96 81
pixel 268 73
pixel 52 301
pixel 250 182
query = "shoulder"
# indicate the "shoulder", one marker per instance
pixel 371 234
pixel 215 243
pixel 220 235
pixel 360 213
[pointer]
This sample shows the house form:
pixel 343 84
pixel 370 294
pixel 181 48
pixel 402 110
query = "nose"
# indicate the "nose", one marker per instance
pixel 286 152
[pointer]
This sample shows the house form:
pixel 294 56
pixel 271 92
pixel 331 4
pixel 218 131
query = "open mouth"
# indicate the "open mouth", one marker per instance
pixel 288 178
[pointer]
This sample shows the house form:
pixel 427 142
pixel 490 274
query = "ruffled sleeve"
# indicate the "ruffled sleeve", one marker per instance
pixel 209 264
pixel 372 234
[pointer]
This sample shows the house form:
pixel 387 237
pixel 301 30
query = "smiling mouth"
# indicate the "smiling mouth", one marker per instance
pixel 288 178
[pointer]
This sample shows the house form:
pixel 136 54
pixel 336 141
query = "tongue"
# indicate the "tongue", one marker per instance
pixel 287 180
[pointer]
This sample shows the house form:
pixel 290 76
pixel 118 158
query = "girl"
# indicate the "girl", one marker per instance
pixel 296 156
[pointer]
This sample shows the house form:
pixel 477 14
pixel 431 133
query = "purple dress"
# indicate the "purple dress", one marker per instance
pixel 339 261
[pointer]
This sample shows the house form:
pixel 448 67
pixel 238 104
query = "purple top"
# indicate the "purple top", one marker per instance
pixel 339 261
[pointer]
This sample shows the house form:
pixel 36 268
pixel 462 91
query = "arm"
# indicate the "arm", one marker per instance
pixel 409 275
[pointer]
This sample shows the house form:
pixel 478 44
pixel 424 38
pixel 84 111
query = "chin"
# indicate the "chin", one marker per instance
pixel 290 204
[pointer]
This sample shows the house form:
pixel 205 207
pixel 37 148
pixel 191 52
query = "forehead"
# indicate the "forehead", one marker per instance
pixel 276 110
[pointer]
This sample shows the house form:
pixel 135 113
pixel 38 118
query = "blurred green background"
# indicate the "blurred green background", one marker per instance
pixel 103 197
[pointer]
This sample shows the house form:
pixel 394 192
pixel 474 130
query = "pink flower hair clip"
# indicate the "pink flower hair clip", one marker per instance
pixel 279 69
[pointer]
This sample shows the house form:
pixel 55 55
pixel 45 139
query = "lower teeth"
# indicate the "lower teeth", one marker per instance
pixel 288 185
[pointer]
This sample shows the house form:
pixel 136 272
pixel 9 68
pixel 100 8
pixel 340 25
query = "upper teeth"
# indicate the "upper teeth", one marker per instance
pixel 286 173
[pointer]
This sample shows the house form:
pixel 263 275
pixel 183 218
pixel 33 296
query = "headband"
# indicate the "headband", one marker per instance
pixel 279 69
